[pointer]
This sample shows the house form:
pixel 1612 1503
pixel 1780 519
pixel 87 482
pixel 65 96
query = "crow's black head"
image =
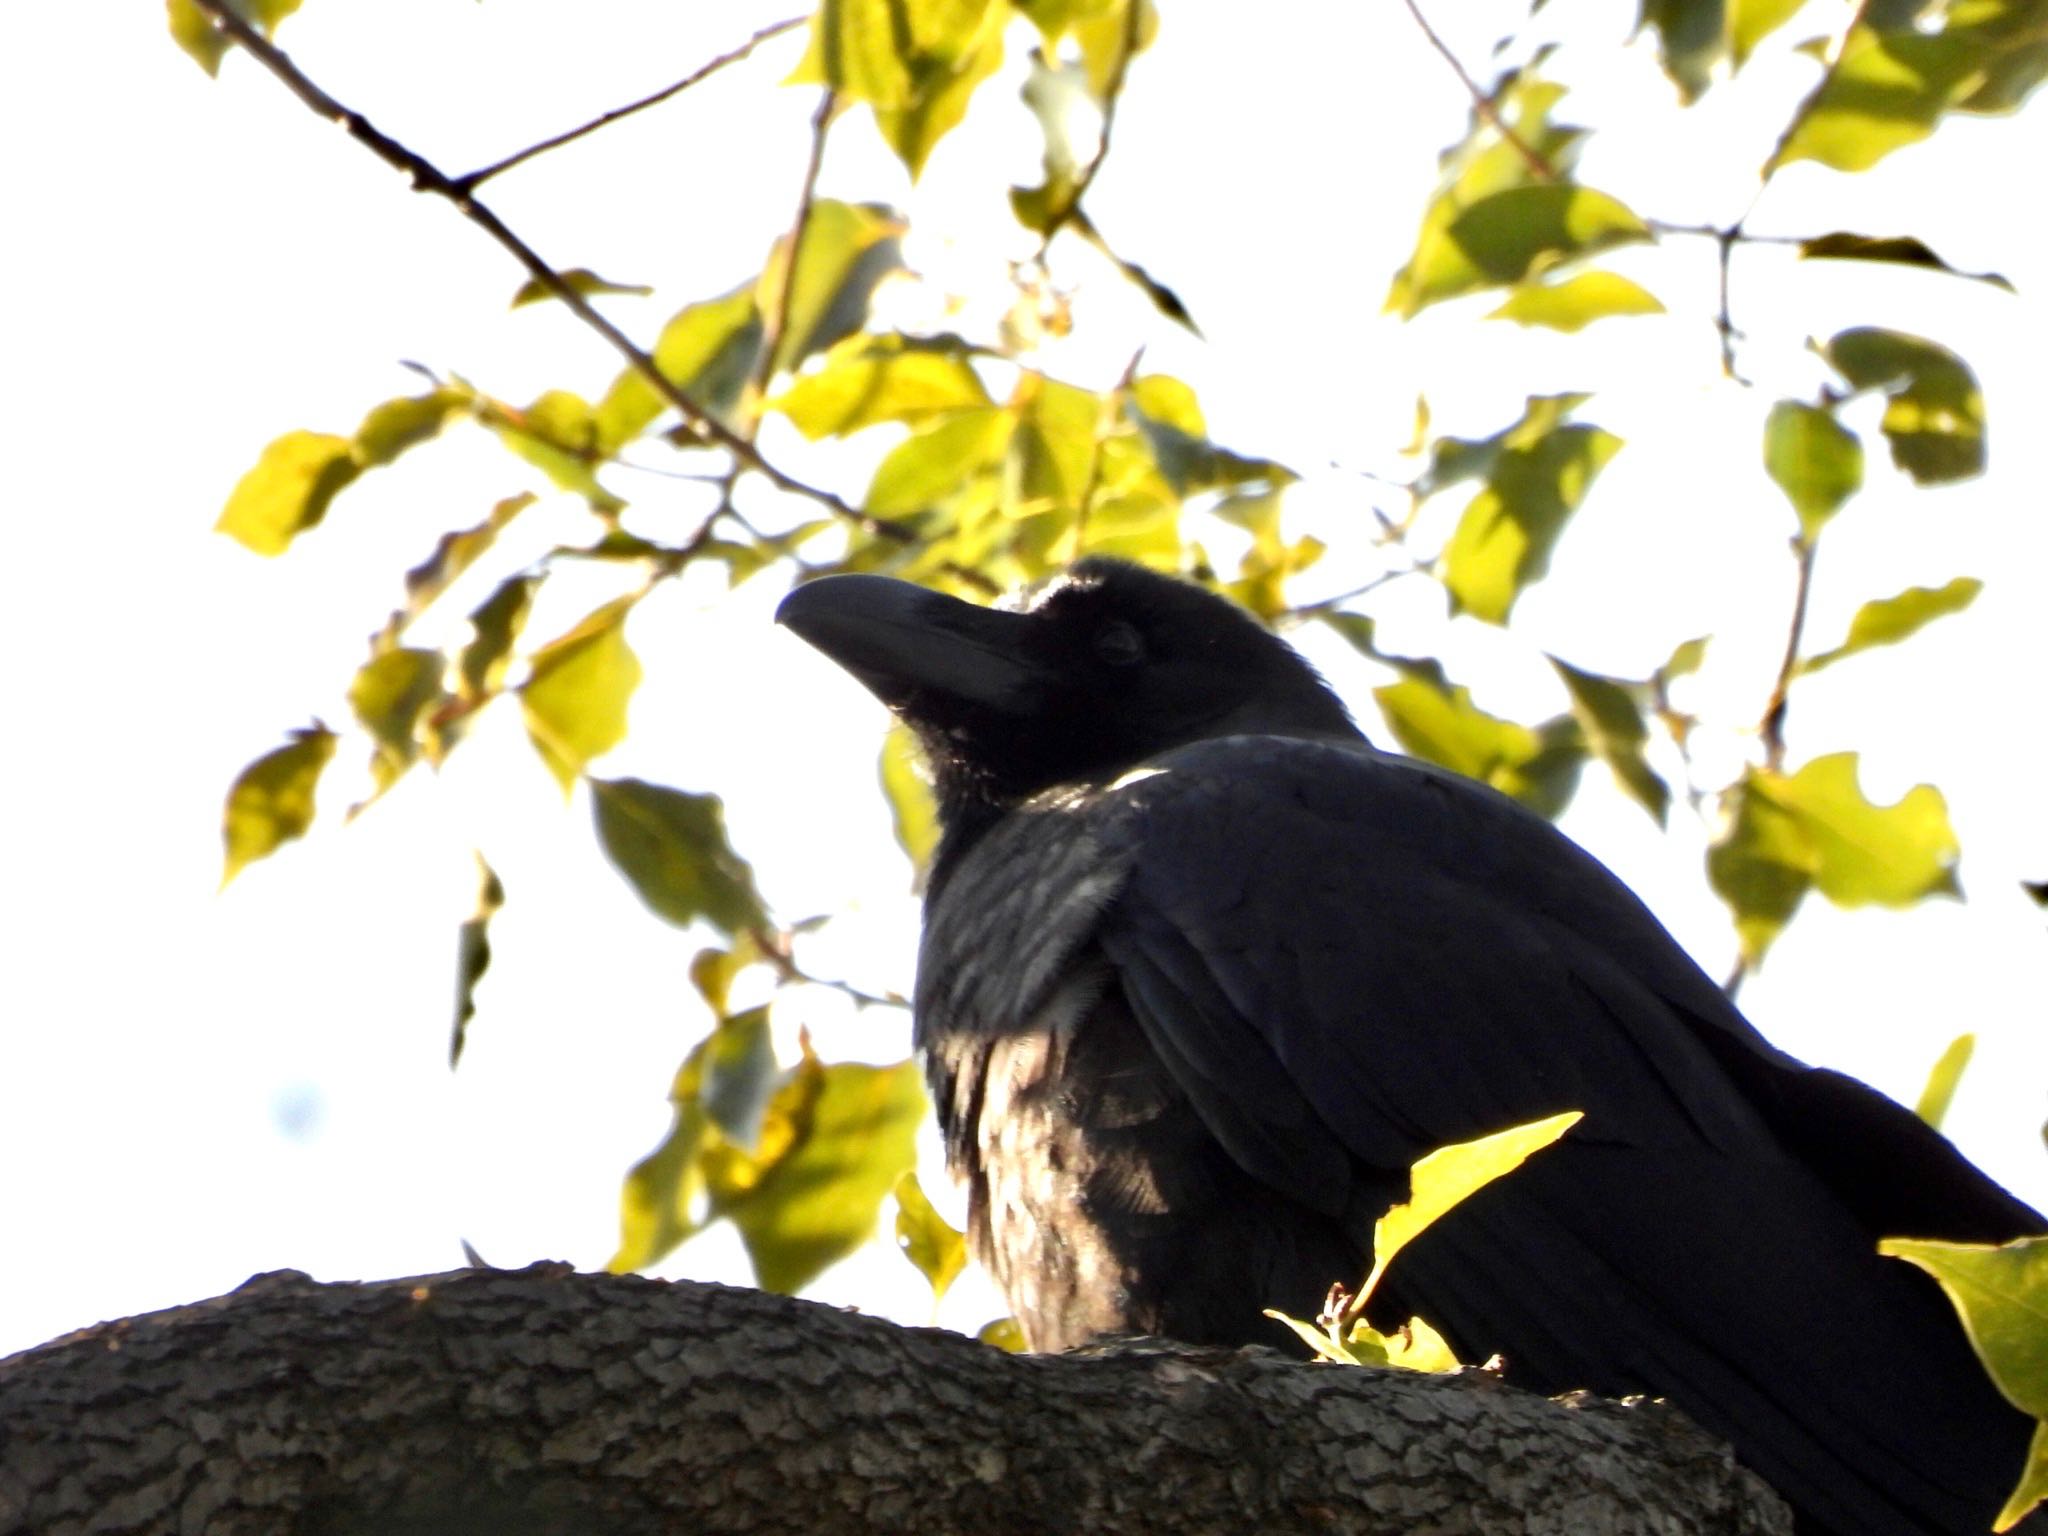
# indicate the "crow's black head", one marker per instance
pixel 1096 671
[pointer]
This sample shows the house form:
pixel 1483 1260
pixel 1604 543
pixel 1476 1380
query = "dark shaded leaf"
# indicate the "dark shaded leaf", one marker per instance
pixel 271 801
pixel 1610 716
pixel 454 553
pixel 406 422
pixel 392 695
pixel 1934 411
pixel 671 846
pixel 1516 233
pixel 1903 250
pixel 1884 91
pixel 740 1078
pixel 473 955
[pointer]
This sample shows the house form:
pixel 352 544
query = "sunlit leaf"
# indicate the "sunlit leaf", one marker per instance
pixel 834 1141
pixel 391 695
pixel 2001 1293
pixel 1884 91
pixel 912 811
pixel 271 800
pixel 396 425
pixel 1004 1334
pixel 848 248
pixel 580 280
pixel 1934 411
pixel 558 435
pixel 1445 1179
pixel 1814 829
pixel 576 695
pixel 706 350
pixel 193 30
pixel 1751 21
pixel 869 379
pixel 454 553
pixel 1165 411
pixel 1517 233
pixel 1503 542
pixel 1902 250
pixel 1888 620
pixel 473 954
pixel 739 1078
pixel 1942 1080
pixel 935 1248
pixel 1685 660
pixel 288 491
pixel 1815 460
pixel 1577 302
pixel 1610 718
pixel 1483 164
pixel 671 846
pixel 916 62
pixel 938 459
pixel 1437 721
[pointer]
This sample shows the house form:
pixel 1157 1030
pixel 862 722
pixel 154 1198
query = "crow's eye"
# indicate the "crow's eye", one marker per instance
pixel 1119 644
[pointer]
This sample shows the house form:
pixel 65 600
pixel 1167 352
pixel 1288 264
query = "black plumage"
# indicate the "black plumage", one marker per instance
pixel 1203 974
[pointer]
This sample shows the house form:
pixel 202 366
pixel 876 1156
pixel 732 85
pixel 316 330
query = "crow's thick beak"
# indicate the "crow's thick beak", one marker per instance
pixel 907 644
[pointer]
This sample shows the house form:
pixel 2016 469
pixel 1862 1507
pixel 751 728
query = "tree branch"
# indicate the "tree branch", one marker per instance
pixel 1482 103
pixel 477 178
pixel 548 1402
pixel 427 177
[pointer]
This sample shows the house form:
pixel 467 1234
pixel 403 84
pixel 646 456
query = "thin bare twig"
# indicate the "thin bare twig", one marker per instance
pixel 1482 103
pixel 697 76
pixel 427 177
pixel 1772 728
pixel 1070 209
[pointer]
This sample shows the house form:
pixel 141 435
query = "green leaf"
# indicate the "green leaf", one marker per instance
pixel 834 1141
pixel 2001 1294
pixel 1888 620
pixel 1934 411
pixel 558 434
pixel 288 491
pixel 1884 91
pixel 1437 721
pixel 1577 302
pixel 473 954
pixel 1447 1177
pixel 271 801
pixel 1940 1091
pixel 576 694
pixel 938 459
pixel 912 811
pixel 671 846
pixel 916 62
pixel 1004 1334
pixel 392 695
pixel 1751 21
pixel 706 350
pixel 1692 38
pixel 1903 250
pixel 870 379
pixel 848 248
pixel 580 280
pixel 934 1247
pixel 1517 233
pixel 396 425
pixel 1814 829
pixel 662 1203
pixel 1815 460
pixel 1535 480
pixel 1166 413
pixel 739 1079
pixel 454 553
pixel 1685 660
pixel 495 625
pixel 1610 717
pixel 193 30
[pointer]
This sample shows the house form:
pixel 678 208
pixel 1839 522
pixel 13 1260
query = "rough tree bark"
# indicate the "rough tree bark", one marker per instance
pixel 542 1401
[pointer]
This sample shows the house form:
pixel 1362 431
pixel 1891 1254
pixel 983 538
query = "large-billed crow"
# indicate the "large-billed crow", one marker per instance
pixel 1203 974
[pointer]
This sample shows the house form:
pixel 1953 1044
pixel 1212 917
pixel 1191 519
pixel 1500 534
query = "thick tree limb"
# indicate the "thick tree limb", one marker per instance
pixel 544 1401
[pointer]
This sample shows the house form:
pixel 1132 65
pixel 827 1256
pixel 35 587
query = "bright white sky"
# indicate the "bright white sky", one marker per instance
pixel 194 1087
